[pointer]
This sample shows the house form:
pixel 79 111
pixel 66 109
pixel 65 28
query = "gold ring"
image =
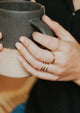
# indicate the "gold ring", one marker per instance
pixel 55 50
pixel 53 57
pixel 44 67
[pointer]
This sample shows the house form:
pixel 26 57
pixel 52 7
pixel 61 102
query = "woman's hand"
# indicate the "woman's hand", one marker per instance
pixel 66 66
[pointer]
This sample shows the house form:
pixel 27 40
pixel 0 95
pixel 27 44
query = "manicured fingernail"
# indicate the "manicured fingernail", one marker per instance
pixel 20 58
pixel 0 46
pixel 22 38
pixel 18 45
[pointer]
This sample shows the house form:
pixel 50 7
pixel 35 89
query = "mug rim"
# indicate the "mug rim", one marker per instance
pixel 31 11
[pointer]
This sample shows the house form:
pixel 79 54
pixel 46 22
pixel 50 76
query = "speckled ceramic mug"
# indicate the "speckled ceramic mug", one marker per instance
pixel 17 19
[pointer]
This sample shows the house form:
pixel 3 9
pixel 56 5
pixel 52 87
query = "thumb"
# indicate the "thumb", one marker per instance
pixel 59 31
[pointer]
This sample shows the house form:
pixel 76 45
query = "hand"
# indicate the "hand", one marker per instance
pixel 1 46
pixel 67 55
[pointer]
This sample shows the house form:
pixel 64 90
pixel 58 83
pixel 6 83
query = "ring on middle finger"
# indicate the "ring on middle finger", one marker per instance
pixel 44 67
pixel 53 57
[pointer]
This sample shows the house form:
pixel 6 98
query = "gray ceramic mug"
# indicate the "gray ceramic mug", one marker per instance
pixel 18 19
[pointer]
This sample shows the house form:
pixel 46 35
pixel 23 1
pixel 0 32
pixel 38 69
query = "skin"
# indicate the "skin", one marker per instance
pixel 76 4
pixel 67 56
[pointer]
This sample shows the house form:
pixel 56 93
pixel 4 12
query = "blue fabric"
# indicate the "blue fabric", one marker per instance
pixel 20 109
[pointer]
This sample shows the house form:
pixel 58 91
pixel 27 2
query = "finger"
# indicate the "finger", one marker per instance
pixel 0 35
pixel 1 47
pixel 67 78
pixel 37 52
pixel 35 63
pixel 36 73
pixel 47 41
pixel 58 29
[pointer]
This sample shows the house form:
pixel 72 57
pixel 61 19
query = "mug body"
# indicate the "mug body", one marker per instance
pixel 15 20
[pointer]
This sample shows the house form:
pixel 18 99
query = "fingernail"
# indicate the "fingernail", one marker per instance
pixel 34 33
pixel 0 46
pixel 20 58
pixel 45 17
pixel 0 34
pixel 22 38
pixel 18 45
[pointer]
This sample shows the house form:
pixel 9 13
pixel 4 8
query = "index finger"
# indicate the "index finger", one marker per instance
pixel 47 41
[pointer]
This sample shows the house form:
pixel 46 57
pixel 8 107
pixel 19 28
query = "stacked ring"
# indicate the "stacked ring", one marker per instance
pixel 45 65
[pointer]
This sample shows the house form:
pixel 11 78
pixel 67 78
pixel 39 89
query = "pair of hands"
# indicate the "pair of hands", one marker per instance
pixel 67 56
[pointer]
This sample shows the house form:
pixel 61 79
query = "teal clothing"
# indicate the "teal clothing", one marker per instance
pixel 20 109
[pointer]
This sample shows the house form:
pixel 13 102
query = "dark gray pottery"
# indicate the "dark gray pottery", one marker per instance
pixel 21 19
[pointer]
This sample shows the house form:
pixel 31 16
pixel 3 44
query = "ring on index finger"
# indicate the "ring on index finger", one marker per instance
pixel 55 50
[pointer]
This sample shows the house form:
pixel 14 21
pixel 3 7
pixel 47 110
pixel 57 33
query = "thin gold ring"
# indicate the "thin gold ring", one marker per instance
pixel 55 50
pixel 44 67
pixel 53 57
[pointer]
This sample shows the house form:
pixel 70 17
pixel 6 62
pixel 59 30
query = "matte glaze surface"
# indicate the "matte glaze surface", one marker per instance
pixel 16 19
